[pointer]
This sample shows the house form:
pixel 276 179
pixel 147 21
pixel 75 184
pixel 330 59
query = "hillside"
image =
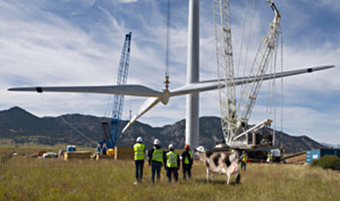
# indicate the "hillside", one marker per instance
pixel 19 126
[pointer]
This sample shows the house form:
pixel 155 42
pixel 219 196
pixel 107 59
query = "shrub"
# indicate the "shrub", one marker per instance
pixel 328 161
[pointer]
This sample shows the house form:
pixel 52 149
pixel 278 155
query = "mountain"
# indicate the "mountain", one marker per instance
pixel 334 146
pixel 19 126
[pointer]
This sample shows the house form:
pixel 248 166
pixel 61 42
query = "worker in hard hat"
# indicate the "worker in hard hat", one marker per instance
pixel 156 160
pixel 244 159
pixel 172 163
pixel 104 149
pixel 269 157
pixel 187 161
pixel 139 149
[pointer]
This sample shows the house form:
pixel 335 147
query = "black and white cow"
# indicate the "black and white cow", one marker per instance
pixel 219 163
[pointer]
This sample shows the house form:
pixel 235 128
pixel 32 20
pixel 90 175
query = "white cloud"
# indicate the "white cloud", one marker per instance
pixel 128 1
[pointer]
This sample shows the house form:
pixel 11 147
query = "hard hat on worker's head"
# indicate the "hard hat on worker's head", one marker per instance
pixel 171 146
pixel 187 147
pixel 156 142
pixel 243 151
pixel 139 139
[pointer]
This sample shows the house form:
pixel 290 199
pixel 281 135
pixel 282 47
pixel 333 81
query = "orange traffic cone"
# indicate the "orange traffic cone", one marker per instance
pixel 249 161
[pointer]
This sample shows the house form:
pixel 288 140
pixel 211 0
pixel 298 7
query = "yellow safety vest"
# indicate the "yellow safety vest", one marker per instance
pixel 171 160
pixel 186 161
pixel 139 151
pixel 157 155
pixel 245 158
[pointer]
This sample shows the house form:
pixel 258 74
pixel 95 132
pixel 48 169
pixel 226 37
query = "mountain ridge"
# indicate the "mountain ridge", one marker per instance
pixel 20 126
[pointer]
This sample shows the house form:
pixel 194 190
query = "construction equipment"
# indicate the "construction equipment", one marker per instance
pixel 111 127
pixel 235 117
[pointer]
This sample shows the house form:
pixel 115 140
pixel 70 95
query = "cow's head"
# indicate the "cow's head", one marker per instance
pixel 200 152
pixel 200 149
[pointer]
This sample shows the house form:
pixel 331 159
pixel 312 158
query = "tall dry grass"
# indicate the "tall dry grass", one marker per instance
pixel 53 179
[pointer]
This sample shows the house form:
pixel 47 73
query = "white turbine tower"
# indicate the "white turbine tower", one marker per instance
pixel 192 105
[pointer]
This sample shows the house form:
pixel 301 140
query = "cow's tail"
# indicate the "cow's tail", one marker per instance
pixel 238 178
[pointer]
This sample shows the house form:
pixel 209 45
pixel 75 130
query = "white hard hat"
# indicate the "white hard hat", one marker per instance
pixel 139 139
pixel 156 142
pixel 171 146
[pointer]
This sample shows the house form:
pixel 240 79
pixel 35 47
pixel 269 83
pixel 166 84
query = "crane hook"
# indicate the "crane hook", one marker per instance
pixel 166 82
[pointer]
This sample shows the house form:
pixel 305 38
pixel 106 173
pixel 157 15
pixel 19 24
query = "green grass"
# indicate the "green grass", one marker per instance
pixel 53 179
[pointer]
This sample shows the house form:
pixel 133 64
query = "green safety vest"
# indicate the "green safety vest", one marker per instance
pixel 139 151
pixel 157 155
pixel 171 160
pixel 186 161
pixel 245 158
pixel 269 156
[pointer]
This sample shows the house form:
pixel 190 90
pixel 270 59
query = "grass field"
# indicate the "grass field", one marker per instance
pixel 54 179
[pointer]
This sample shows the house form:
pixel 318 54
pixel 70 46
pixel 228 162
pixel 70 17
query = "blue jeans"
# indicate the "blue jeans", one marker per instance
pixel 155 167
pixel 139 164
pixel 173 171
pixel 186 170
pixel 243 165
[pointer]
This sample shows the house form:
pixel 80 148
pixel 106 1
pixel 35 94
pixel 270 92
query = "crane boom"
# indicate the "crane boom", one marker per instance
pixel 259 67
pixel 234 118
pixel 225 66
pixel 118 99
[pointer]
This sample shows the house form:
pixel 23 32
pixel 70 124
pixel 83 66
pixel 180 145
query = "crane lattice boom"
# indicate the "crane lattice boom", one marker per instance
pixel 259 68
pixel 224 57
pixel 118 99
pixel 235 119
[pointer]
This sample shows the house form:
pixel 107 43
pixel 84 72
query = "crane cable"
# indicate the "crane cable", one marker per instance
pixel 77 131
pixel 282 97
pixel 242 39
pixel 167 82
pixel 271 93
pixel 248 37
pixel 246 55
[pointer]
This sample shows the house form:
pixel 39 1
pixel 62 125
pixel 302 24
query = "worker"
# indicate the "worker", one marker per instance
pixel 156 160
pixel 187 161
pixel 139 149
pixel 244 159
pixel 269 157
pixel 104 149
pixel 172 163
pixel 99 148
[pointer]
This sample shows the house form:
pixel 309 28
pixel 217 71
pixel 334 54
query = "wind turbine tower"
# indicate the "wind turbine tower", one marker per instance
pixel 192 104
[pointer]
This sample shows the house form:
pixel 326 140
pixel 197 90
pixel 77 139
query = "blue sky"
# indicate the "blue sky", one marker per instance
pixel 79 42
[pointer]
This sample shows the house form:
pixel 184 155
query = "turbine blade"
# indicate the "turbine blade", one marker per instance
pixel 213 84
pixel 147 105
pixel 196 87
pixel 246 80
pixel 132 90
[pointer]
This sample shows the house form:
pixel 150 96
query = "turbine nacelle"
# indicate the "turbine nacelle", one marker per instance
pixel 165 97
